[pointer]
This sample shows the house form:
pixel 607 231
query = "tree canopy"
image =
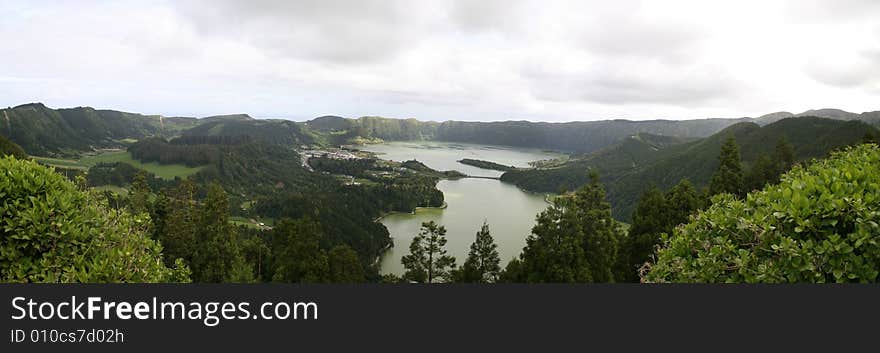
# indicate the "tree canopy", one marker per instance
pixel 819 224
pixel 575 240
pixel 728 178
pixel 428 261
pixel 482 264
pixel 52 232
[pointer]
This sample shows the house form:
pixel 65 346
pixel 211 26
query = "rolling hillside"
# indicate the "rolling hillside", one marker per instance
pixel 44 131
pixel 627 168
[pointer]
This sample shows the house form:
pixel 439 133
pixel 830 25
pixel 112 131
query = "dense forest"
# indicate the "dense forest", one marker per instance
pixel 772 199
pixel 637 162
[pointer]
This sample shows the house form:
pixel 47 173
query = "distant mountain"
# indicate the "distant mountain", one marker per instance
pixel 772 118
pixel 44 131
pixel 578 137
pixel 329 123
pixel 227 117
pixel 630 166
pixel 872 118
pixel 831 114
pixel 274 131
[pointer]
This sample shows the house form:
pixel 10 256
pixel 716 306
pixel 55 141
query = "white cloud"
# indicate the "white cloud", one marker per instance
pixel 486 60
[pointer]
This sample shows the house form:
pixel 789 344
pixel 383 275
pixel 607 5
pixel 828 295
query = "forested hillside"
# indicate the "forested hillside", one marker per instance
pixel 45 132
pixel 819 224
pixel 282 132
pixel 631 166
pixel 243 199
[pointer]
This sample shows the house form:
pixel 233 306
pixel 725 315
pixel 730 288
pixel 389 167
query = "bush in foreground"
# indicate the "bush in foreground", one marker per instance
pixel 819 224
pixel 52 232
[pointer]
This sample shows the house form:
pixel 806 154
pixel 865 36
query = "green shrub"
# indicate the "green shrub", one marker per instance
pixel 10 148
pixel 819 224
pixel 52 232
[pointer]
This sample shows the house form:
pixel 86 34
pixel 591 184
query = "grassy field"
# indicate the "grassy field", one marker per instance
pixel 164 171
pixel 61 163
pixel 241 221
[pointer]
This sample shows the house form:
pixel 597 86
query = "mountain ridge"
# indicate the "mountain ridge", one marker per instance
pixel 41 130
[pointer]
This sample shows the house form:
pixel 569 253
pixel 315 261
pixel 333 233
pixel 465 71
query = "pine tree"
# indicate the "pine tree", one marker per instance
pixel 728 178
pixel 683 200
pixel 765 171
pixel 140 193
pixel 784 157
pixel 428 261
pixel 217 256
pixel 344 266
pixel 649 220
pixel 482 264
pixel 656 213
pixel 296 252
pixel 575 240
pixel 175 222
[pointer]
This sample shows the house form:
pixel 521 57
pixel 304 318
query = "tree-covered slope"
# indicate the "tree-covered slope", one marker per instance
pixel 11 148
pixel 281 132
pixel 629 167
pixel 819 224
pixel 44 131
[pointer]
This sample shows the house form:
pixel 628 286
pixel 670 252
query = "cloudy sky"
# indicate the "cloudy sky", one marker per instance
pixel 444 60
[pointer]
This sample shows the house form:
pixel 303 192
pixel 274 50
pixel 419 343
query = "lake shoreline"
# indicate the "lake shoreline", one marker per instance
pixel 386 214
pixel 467 201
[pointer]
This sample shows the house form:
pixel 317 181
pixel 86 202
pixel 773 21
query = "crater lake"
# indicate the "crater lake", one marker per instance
pixel 509 211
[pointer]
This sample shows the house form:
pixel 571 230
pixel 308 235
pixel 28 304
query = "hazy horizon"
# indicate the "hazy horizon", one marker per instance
pixel 488 60
pixel 417 118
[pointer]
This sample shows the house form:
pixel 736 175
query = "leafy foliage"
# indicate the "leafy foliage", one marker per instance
pixel 819 224
pixel 52 232
pixel 632 165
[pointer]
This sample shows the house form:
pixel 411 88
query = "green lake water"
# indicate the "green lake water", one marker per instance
pixel 509 211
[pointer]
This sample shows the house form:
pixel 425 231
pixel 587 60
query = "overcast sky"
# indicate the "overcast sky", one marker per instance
pixel 444 60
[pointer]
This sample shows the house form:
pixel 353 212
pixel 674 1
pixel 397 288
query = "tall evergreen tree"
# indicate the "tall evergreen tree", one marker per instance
pixel 513 272
pixel 140 193
pixel 765 170
pixel 728 178
pixel 657 213
pixel 482 264
pixel 575 240
pixel 296 252
pixel 344 266
pixel 175 221
pixel 683 200
pixel 428 260
pixel 784 156
pixel 217 256
pixel 649 220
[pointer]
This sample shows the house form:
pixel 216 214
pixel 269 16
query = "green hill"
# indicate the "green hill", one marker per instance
pixel 281 132
pixel 630 166
pixel 10 148
pixel 44 131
